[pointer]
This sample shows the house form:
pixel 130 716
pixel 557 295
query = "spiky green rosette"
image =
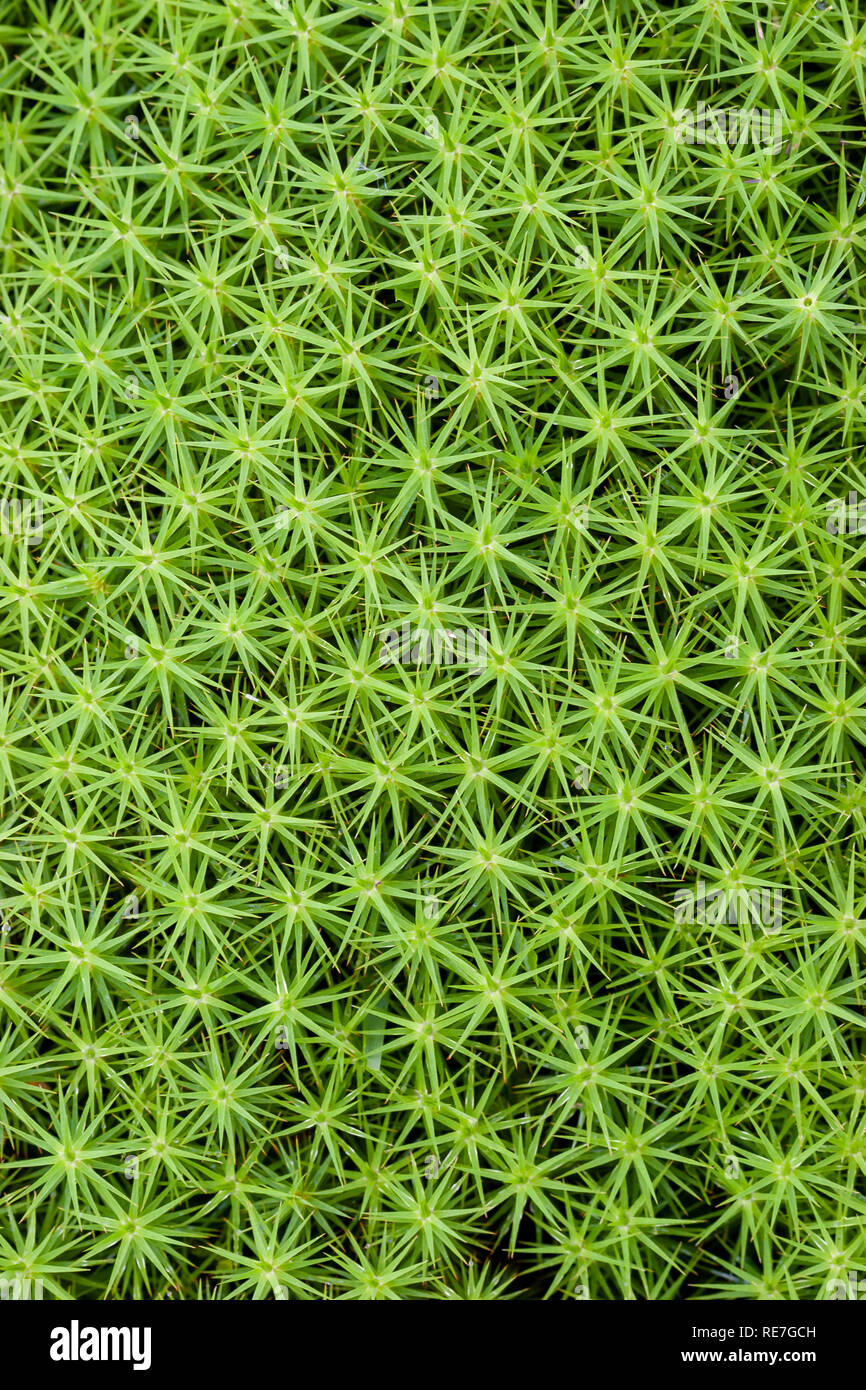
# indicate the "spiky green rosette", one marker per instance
pixel 431 568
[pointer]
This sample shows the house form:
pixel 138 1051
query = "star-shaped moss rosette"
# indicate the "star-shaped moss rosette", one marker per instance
pixel 432 714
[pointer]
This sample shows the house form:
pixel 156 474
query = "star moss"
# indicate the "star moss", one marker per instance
pixel 431 631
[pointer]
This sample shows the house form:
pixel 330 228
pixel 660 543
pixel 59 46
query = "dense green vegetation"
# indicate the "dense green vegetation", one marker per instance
pixel 431 604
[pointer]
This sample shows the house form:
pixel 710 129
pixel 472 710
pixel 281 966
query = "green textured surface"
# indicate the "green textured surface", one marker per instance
pixel 328 976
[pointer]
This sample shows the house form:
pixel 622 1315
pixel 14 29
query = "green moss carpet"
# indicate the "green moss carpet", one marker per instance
pixel 431 649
